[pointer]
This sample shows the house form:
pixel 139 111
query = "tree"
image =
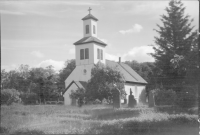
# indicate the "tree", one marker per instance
pixel 65 72
pixel 79 95
pixel 8 96
pixel 10 80
pixel 176 40
pixel 101 82
pixel 44 82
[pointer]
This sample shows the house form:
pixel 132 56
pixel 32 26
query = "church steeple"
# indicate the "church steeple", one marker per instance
pixel 89 25
pixel 89 49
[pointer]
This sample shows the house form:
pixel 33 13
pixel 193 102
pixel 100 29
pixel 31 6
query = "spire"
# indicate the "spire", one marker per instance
pixel 90 16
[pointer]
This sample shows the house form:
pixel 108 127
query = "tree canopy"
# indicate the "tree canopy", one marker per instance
pixel 176 46
pixel 101 83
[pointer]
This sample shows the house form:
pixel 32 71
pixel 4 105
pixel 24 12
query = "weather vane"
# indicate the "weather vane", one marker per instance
pixel 89 10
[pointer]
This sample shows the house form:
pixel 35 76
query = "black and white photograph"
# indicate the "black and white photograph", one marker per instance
pixel 116 67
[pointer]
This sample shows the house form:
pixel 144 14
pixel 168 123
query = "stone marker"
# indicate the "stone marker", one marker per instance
pixel 151 100
pixel 116 98
pixel 131 100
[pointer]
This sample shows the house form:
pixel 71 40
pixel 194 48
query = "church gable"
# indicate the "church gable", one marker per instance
pixel 79 84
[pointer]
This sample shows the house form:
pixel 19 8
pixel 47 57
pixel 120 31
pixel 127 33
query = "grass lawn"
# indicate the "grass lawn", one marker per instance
pixel 94 119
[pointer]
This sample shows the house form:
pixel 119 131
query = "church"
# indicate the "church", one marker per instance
pixel 89 50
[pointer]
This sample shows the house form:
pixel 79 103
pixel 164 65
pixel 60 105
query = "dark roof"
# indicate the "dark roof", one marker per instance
pixel 128 73
pixel 84 84
pixel 89 39
pixel 90 16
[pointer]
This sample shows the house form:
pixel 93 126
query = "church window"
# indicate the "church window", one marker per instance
pixel 94 29
pixel 82 54
pixel 98 53
pixel 101 54
pixel 86 53
pixel 87 29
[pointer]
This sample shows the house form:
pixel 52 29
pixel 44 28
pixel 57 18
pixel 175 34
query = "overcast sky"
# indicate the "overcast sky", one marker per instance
pixel 42 33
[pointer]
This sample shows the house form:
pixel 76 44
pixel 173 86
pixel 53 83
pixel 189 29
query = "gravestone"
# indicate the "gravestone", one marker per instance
pixel 125 101
pixel 116 98
pixel 73 103
pixel 131 100
pixel 151 100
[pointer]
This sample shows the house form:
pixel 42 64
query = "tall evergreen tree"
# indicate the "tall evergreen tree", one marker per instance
pixel 174 45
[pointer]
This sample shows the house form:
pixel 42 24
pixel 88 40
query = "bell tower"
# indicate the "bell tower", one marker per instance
pixel 89 25
pixel 89 50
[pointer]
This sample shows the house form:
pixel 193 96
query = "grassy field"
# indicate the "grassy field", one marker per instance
pixel 94 119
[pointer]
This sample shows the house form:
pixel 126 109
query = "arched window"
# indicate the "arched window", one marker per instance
pixel 87 53
pixel 101 54
pixel 98 53
pixel 82 54
pixel 87 29
pixel 94 29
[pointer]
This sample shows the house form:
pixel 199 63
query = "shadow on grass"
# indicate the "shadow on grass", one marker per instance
pixel 111 114
pixel 3 130
pixel 28 132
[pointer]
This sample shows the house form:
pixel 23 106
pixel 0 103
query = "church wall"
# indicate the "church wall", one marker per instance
pixel 67 99
pixel 95 24
pixel 78 74
pixel 89 22
pixel 95 53
pixel 91 54
pixel 139 92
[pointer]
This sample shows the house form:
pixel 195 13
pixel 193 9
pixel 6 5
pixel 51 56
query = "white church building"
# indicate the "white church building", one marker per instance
pixel 89 51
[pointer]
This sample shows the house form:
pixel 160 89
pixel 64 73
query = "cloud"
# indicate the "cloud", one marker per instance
pixel 11 12
pixel 72 51
pixel 111 57
pixel 43 8
pixel 58 65
pixel 140 54
pixel 135 29
pixel 37 54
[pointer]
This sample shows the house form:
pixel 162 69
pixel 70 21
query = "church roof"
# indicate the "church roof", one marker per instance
pixel 89 39
pixel 90 16
pixel 130 76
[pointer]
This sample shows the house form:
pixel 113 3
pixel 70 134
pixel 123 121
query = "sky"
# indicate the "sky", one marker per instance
pixel 42 33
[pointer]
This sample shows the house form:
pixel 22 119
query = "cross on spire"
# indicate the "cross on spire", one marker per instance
pixel 89 10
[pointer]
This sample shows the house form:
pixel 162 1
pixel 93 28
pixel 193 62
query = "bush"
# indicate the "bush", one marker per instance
pixel 29 98
pixel 97 101
pixel 165 97
pixel 187 98
pixel 9 96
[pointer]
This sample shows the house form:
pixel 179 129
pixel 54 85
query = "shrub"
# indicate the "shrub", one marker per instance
pixel 9 96
pixel 165 97
pixel 3 130
pixel 97 101
pixel 187 98
pixel 29 98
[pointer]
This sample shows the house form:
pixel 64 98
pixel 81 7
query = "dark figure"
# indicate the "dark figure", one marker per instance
pixel 131 100
pixel 116 98
pixel 80 102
